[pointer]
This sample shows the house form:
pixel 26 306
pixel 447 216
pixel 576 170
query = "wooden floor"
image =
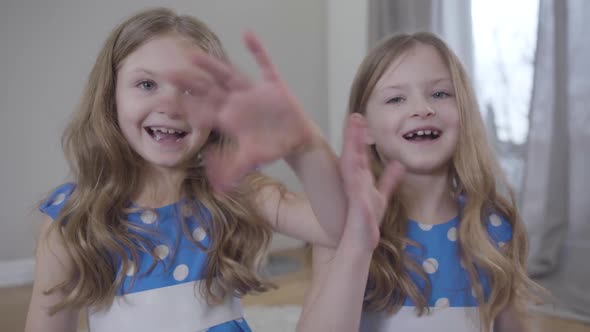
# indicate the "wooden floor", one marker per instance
pixel 292 287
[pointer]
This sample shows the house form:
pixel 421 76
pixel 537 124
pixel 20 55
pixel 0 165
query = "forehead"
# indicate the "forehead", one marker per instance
pixel 418 65
pixel 166 53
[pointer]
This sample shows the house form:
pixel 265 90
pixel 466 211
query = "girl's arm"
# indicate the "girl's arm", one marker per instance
pixel 266 123
pixel 336 297
pixel 335 300
pixel 318 215
pixel 51 267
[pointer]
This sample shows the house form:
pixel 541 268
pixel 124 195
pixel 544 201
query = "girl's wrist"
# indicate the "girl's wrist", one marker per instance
pixel 357 245
pixel 313 142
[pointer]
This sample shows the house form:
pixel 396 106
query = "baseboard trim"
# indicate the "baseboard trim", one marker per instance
pixel 17 272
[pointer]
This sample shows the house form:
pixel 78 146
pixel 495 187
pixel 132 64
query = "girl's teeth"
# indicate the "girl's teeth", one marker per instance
pixel 420 133
pixel 167 131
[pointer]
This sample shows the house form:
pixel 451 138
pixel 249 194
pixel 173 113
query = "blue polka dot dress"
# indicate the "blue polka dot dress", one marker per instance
pixel 452 302
pixel 167 297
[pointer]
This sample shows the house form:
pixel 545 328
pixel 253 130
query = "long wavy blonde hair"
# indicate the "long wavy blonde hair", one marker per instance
pixel 107 174
pixel 474 174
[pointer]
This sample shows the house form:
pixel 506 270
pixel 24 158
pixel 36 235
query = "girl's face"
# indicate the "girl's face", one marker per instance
pixel 412 113
pixel 156 115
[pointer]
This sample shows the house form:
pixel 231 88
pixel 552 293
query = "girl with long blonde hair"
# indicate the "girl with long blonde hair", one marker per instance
pixel 452 248
pixel 142 238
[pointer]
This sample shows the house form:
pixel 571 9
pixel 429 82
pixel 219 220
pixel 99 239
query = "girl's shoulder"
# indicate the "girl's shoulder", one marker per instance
pixel 56 200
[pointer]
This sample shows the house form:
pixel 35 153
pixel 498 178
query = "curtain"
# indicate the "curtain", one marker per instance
pixel 555 196
pixel 450 19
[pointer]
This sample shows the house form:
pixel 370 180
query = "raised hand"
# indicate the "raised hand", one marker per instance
pixel 366 202
pixel 340 276
pixel 262 119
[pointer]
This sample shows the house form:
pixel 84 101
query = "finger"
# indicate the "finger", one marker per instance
pixel 390 179
pixel 353 132
pixel 192 83
pixel 359 128
pixel 223 73
pixel 363 147
pixel 201 98
pixel 348 145
pixel 261 56
pixel 351 160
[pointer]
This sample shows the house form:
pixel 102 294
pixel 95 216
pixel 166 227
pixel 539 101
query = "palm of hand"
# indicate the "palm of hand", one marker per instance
pixel 262 120
pixel 365 210
pixel 367 202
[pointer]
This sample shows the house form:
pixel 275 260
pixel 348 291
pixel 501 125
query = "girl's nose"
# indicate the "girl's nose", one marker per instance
pixel 423 109
pixel 170 102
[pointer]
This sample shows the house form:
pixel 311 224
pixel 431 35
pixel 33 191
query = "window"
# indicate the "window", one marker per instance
pixel 505 36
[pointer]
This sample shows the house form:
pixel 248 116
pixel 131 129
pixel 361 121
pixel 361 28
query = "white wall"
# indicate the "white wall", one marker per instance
pixel 48 47
pixel 346 46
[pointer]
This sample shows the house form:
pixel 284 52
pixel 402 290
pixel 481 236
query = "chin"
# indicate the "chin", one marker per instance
pixel 170 159
pixel 171 165
pixel 427 168
pixel 165 161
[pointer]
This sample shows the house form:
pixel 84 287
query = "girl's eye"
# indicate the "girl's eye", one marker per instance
pixel 440 95
pixel 394 100
pixel 147 85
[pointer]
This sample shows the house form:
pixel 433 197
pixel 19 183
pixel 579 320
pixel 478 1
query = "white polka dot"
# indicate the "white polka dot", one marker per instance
pixel 452 234
pixel 425 227
pixel 59 199
pixel 239 320
pixel 443 302
pixel 473 293
pixel 430 265
pixel 162 251
pixel 148 217
pixel 495 220
pixel 199 234
pixel 501 244
pixel 131 269
pixel 180 272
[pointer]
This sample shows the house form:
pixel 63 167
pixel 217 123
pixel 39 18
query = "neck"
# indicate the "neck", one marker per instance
pixel 428 198
pixel 160 186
